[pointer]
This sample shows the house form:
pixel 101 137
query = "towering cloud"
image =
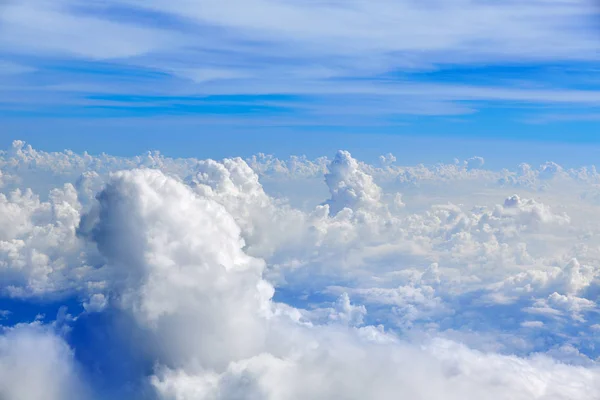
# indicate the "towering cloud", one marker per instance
pixel 349 186
pixel 178 268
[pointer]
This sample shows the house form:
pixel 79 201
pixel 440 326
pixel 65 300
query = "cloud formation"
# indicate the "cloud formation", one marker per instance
pixel 35 364
pixel 380 57
pixel 193 281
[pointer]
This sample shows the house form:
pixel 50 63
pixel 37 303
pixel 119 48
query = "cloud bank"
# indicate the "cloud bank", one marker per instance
pixel 203 279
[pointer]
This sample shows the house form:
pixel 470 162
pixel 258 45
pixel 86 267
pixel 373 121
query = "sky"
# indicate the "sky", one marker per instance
pixel 266 74
pixel 299 199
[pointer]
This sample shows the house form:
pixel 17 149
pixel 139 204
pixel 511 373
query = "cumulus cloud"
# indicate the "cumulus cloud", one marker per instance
pixel 443 370
pixel 474 163
pixel 179 268
pixel 39 250
pixel 36 364
pixel 266 224
pixel 206 285
pixel 349 186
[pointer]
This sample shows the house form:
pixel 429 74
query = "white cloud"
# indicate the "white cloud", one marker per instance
pixel 350 187
pixel 228 291
pixel 385 26
pixel 54 28
pixel 39 250
pixel 532 324
pixel 189 276
pixel 442 371
pixel 180 270
pixel 36 364
pixel 260 47
pixel 266 223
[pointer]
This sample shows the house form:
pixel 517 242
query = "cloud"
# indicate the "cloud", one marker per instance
pixel 266 223
pixel 197 291
pixel 34 364
pixel 11 68
pixel 192 279
pixel 388 26
pixel 179 268
pixel 24 24
pixel 177 52
pixel 39 250
pixel 448 373
pixel 350 187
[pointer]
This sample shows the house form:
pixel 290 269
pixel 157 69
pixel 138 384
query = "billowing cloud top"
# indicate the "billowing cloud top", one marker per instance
pixel 159 278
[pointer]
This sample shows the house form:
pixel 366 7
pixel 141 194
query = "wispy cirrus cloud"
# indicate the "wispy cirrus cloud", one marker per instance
pixel 329 51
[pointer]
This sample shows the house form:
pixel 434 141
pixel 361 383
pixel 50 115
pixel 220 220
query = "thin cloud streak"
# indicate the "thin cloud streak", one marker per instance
pixel 259 47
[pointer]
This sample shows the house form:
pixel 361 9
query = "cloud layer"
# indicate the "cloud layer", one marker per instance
pixel 189 279
pixel 383 58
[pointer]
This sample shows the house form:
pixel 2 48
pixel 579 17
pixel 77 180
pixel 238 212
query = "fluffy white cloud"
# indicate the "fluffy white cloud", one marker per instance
pixel 345 368
pixel 36 364
pixel 225 290
pixel 39 250
pixel 179 269
pixel 350 187
pixel 266 224
pixel 190 284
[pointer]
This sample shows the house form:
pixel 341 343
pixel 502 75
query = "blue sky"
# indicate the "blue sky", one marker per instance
pixel 217 78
